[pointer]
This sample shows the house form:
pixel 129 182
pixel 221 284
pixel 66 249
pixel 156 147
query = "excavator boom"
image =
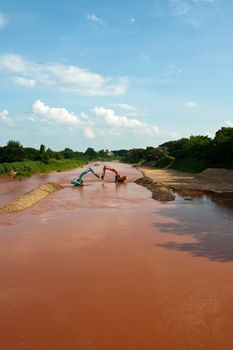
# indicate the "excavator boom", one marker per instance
pixel 118 178
pixel 110 169
pixel 79 180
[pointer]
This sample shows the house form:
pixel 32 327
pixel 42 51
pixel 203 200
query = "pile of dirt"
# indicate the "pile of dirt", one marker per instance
pixel 30 198
pixel 159 191
pixel 219 176
pixel 210 180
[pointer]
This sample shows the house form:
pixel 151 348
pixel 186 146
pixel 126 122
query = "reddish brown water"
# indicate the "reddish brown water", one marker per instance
pixel 104 267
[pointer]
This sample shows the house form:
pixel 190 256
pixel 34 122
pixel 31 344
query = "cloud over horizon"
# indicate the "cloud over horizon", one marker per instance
pixel 54 114
pixel 122 121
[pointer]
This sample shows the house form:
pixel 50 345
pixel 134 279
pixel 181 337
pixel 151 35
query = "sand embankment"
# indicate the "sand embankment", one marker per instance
pixel 216 181
pixel 159 191
pixel 31 198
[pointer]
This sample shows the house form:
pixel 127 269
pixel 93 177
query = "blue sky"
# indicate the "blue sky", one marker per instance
pixel 114 74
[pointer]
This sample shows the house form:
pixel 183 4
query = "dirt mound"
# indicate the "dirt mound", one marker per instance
pixel 30 198
pixel 216 175
pixel 210 180
pixel 159 191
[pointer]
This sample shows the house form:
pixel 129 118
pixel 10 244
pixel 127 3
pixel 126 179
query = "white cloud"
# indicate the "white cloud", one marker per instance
pixel 24 81
pixel 179 7
pixel 14 63
pixel 3 20
pixel 6 118
pixel 191 11
pixel 94 18
pixel 30 118
pixel 119 121
pixel 54 115
pixel 115 120
pixel 68 78
pixel 88 133
pixel 228 123
pixel 210 134
pixel 191 104
pixel 83 82
pixel 132 20
pixel 126 107
pixel 129 110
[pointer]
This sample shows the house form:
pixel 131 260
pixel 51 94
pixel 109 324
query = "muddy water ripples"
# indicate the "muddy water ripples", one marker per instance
pixel 105 266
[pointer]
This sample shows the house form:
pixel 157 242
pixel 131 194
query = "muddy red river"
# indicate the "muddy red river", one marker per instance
pixel 104 266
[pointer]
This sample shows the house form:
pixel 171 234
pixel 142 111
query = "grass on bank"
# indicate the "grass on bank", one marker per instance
pixel 28 168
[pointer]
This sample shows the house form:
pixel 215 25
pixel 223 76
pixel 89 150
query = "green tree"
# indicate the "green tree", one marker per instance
pixel 43 155
pixel 12 152
pixel 223 146
pixel 135 155
pixel 91 153
pixel 42 149
pixel 31 153
pixel 68 153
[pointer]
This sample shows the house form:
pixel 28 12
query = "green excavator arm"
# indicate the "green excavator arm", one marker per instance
pixel 79 180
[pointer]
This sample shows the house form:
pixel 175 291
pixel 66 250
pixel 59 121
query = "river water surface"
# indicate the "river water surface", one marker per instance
pixel 105 267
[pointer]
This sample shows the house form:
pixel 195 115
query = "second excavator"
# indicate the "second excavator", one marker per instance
pixel 118 178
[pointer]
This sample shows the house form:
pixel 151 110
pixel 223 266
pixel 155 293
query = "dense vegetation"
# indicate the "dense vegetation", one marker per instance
pixel 25 161
pixel 194 154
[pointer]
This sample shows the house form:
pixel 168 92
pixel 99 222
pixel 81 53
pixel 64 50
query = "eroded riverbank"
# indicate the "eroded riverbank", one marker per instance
pixel 104 266
pixel 165 183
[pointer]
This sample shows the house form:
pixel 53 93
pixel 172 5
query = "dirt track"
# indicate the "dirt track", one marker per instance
pixel 104 266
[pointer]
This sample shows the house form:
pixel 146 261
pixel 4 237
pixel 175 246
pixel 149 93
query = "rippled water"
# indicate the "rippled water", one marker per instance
pixel 104 266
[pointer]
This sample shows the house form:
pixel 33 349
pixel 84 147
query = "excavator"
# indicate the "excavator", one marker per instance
pixel 118 178
pixel 79 180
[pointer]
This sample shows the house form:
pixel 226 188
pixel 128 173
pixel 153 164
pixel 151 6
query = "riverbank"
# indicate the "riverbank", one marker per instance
pixel 28 168
pixel 216 181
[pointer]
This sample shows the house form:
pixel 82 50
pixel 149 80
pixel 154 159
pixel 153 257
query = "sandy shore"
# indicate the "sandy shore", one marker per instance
pixel 30 198
pixel 216 181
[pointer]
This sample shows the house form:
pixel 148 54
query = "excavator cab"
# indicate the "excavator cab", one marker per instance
pixel 77 182
pixel 121 178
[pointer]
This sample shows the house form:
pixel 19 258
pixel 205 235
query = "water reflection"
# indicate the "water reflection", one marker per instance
pixel 218 202
pixel 204 218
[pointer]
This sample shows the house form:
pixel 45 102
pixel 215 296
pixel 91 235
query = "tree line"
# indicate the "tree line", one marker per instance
pixel 19 161
pixel 194 154
pixel 14 151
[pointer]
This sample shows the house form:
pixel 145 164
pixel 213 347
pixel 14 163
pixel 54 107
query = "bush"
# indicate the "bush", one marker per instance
pixel 28 168
pixel 164 161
